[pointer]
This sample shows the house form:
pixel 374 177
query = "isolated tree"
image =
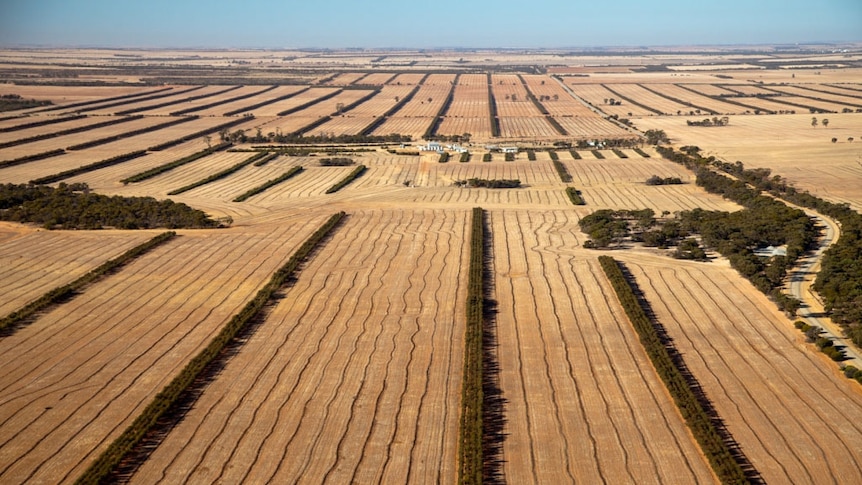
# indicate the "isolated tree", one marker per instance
pixel 209 141
pixel 813 121
pixel 825 122
pixel 850 139
pixel 556 96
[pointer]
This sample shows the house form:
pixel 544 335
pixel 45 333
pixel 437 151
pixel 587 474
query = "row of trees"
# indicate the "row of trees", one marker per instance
pixel 192 377
pixel 75 207
pixel 166 167
pixel 11 102
pixel 64 292
pixel 470 451
pixel 346 180
pixel 490 184
pixel 656 180
pixel 68 131
pixel 269 183
pixel 221 174
pixel 714 440
pixel 715 121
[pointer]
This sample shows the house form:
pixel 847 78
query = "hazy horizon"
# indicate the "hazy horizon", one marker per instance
pixel 386 24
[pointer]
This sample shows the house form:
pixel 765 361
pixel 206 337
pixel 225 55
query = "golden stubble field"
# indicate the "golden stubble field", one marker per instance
pixel 355 373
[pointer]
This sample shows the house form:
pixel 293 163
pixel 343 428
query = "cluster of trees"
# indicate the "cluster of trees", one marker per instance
pixel 75 207
pixel 575 155
pixel 490 184
pixel 269 183
pixel 462 138
pixel 465 157
pixel 486 157
pixel 715 441
pixel 598 154
pixel 575 196
pixel 764 222
pixel 613 102
pixel 63 293
pixel 839 281
pixel 715 121
pixel 179 389
pixel 11 102
pixel 470 455
pixel 619 153
pixel 531 155
pixel 509 157
pixel 346 180
pixel 336 162
pixel 656 180
pixel 656 137
pixel 444 157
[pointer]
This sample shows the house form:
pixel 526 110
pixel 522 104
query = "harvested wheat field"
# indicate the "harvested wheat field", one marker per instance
pixel 82 372
pixel 354 377
pixel 36 262
pixel 788 145
pixel 583 402
pixel 796 419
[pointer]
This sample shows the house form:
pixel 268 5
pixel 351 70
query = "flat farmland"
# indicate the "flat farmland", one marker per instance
pixel 583 402
pixel 708 89
pixel 699 101
pixel 191 172
pixel 592 127
pixel 81 373
pixel 377 78
pixel 356 372
pixel 470 101
pixel 426 102
pixel 796 419
pixel 413 127
pixel 478 127
pixel 648 98
pixel 330 106
pixel 345 78
pixel 29 171
pixel 840 100
pixel 407 79
pixel 277 107
pixel 254 100
pixel 65 141
pixel 37 262
pixel 597 95
pixel 388 97
pixel 46 129
pixel 65 95
pixel 178 98
pixel 560 102
pixel 260 93
pixel 527 127
pixel 786 144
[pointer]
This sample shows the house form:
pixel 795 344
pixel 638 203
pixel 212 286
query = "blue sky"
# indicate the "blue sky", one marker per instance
pixel 442 23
